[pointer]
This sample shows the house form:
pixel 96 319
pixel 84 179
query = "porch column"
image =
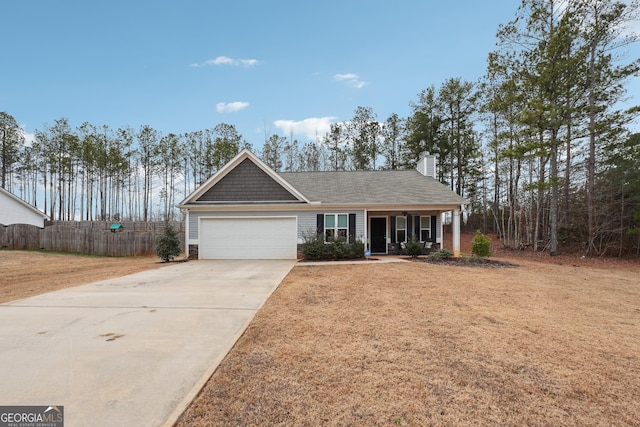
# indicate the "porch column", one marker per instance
pixel 365 238
pixel 455 229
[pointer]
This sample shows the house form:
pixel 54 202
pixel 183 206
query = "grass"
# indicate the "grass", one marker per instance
pixel 422 344
pixel 51 253
pixel 28 273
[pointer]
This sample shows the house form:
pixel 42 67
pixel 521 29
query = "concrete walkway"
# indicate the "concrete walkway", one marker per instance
pixel 382 259
pixel 131 351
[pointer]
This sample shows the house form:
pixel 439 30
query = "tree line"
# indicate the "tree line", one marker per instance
pixel 98 173
pixel 540 145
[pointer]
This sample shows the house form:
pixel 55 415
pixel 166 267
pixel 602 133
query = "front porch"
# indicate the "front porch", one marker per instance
pixel 388 231
pixel 400 248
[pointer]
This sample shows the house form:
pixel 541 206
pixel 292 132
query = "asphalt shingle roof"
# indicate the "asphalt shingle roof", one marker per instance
pixel 372 187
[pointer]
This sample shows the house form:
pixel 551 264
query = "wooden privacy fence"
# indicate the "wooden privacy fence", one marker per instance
pixel 83 237
pixel 21 236
pixel 137 226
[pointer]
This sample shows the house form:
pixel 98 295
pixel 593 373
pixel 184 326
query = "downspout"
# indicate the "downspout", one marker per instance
pixel 366 235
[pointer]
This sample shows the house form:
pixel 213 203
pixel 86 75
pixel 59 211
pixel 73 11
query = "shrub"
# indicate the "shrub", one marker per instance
pixel 338 248
pixel 440 255
pixel 357 249
pixel 313 247
pixel 414 248
pixel 481 245
pixel 168 244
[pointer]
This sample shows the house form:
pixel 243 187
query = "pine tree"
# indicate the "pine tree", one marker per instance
pixel 168 244
pixel 11 141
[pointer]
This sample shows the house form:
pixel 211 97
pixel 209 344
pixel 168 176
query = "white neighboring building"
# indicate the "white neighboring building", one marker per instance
pixel 14 210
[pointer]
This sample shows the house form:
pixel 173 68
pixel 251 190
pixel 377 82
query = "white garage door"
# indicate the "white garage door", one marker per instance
pixel 248 238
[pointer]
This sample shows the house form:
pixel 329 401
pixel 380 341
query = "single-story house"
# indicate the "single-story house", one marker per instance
pixel 246 210
pixel 14 210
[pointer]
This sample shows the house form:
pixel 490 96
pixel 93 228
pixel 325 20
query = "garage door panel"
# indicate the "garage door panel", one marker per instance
pixel 248 238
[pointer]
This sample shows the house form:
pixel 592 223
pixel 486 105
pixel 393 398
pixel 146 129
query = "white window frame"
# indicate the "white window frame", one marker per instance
pixel 423 228
pixel 401 229
pixel 336 228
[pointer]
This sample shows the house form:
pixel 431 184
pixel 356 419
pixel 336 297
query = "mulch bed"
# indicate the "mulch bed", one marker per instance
pixel 470 262
pixel 303 260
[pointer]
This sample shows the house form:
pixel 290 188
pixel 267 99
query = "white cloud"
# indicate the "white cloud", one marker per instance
pixel 632 27
pixel 350 79
pixel 348 76
pixel 29 138
pixel 311 127
pixel 249 62
pixel 231 107
pixel 222 60
pixel 225 60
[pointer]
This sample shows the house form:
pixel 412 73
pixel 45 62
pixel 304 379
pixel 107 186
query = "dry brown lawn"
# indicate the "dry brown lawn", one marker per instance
pixel 554 343
pixel 420 344
pixel 27 273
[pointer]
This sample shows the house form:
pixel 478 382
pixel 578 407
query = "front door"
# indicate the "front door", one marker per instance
pixel 379 235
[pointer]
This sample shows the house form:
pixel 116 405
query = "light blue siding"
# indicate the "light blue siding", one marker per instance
pixel 306 220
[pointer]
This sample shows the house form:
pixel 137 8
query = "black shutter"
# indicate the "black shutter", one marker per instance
pixel 433 228
pixel 320 224
pixel 352 227
pixel 409 226
pixel 416 227
pixel 393 229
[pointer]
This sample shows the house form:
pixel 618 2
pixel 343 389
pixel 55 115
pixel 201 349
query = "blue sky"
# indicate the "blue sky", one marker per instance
pixel 263 66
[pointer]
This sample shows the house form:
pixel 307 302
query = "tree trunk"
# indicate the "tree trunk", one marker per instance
pixel 553 205
pixel 566 217
pixel 542 164
pixel 591 161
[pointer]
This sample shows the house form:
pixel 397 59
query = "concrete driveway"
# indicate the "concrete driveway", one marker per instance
pixel 133 350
